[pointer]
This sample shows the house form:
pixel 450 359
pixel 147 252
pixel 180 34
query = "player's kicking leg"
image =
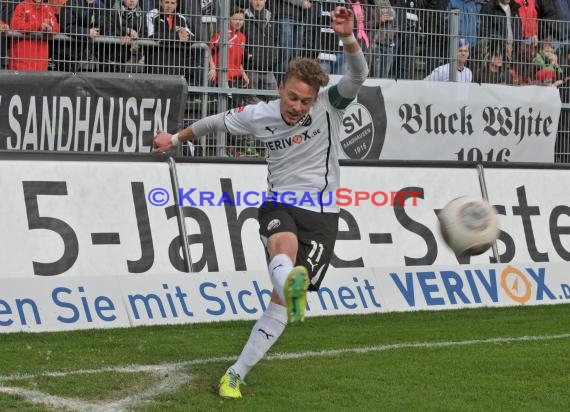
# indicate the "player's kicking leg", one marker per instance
pixel 295 291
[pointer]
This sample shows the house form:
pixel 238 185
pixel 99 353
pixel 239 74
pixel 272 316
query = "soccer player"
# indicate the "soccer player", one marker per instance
pixel 301 134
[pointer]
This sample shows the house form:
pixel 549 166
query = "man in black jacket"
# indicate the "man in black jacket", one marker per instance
pixel 261 48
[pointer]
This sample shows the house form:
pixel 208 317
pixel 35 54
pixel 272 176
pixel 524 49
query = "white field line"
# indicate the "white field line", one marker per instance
pixel 175 375
pixel 292 355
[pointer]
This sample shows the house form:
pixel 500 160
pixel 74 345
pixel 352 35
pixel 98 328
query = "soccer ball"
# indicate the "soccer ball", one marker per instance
pixel 469 225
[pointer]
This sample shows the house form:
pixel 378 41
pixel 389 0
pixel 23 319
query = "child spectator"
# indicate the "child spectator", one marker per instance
pixel 237 77
pixel 261 54
pixel 549 71
pixel 171 29
pixel 33 19
pixel 464 74
pixel 127 20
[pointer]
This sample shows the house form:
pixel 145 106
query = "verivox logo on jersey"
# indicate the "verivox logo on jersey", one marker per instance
pixel 497 286
pixel 292 140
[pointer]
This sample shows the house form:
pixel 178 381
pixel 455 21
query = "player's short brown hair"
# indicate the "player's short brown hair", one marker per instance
pixel 308 71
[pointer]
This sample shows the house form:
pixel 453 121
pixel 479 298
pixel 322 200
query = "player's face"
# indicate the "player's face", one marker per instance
pixel 297 97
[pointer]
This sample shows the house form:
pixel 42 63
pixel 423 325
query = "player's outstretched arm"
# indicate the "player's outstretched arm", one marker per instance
pixel 342 23
pixel 164 141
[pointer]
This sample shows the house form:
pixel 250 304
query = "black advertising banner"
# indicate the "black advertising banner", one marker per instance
pixel 87 112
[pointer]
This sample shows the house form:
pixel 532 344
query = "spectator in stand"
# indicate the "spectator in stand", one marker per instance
pixel 407 17
pixel 468 19
pixel 499 20
pixel 291 16
pixel 549 71
pixel 382 24
pixel 492 68
pixel 464 74
pixel 170 29
pixel 522 66
pixel 546 14
pixel 237 77
pixel 260 31
pixel 127 20
pixel 529 25
pixel 200 16
pixel 84 20
pixel 434 27
pixel 200 19
pixel 34 20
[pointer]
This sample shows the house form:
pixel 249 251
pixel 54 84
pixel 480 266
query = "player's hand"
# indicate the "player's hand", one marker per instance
pixel 162 142
pixel 342 21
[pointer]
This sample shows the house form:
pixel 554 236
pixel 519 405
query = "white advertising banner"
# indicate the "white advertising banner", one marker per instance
pixel 534 205
pixel 95 244
pixel 85 218
pixel 116 301
pixel 411 120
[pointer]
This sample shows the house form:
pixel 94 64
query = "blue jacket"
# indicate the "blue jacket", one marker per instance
pixel 468 19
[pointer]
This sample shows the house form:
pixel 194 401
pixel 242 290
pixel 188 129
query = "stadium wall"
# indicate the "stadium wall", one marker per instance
pixel 102 241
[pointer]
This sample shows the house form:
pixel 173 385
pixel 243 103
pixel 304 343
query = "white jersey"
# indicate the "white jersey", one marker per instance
pixel 441 74
pixel 302 160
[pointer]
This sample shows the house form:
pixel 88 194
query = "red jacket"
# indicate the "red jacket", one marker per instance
pixel 529 17
pixel 31 53
pixel 236 44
